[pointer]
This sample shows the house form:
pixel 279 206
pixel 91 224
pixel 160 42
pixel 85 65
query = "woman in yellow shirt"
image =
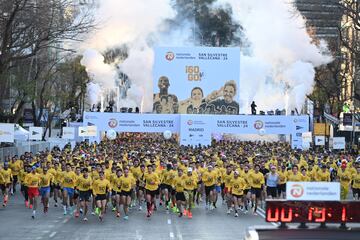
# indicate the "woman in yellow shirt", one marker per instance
pixel 127 185
pixel 100 189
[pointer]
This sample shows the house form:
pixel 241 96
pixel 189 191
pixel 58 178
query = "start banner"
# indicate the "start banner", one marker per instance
pixel 313 191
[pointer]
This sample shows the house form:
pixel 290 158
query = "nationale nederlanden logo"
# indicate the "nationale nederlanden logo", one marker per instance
pixel 189 122
pixel 297 190
pixel 170 56
pixel 113 123
pixel 258 124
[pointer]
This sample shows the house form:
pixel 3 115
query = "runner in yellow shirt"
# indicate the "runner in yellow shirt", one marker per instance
pixel 45 180
pixel 84 185
pixel 257 182
pixel 238 185
pixel 127 184
pixel 179 186
pixel 228 176
pixel 152 182
pixel 100 189
pixel 32 181
pixel 190 187
pixel 68 184
pixel 5 182
pixel 323 175
pixel 209 179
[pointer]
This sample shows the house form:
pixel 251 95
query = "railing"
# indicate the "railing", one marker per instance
pixel 21 148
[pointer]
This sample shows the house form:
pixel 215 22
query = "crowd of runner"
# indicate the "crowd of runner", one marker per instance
pixel 147 171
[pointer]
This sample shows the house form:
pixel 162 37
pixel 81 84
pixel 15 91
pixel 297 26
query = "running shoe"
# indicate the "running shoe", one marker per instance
pixel 65 212
pixel 97 211
pixel 126 218
pixel 30 206
pixel 228 211
pixel 118 214
pixel 180 215
pixel 77 214
pixel 236 214
pixel 140 208
pixel 55 205
pixel 26 204
pixel 189 215
pixel 85 219
pixel 185 212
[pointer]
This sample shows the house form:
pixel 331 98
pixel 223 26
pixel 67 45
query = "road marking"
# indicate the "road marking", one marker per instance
pixel 169 221
pixel 138 236
pixel 171 235
pixel 46 231
pixel 52 234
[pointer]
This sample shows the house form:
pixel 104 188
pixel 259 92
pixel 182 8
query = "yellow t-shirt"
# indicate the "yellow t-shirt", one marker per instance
pixel 323 176
pixel 6 175
pixel 237 186
pixel 179 184
pixel 344 177
pixel 127 183
pixel 282 177
pixel 32 180
pixel 152 181
pixel 190 182
pixel 227 179
pixel 168 177
pixel 83 184
pixel 356 181
pixel 101 186
pixel 45 179
pixel 209 178
pixel 256 179
pixel 69 179
pixel 295 178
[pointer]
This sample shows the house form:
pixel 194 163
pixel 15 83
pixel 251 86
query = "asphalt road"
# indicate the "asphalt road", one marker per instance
pixel 16 223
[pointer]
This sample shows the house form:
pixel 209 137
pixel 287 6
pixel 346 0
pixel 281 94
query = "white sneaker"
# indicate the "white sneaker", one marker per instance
pixel 228 211
pixel 85 219
pixel 236 214
pixel 93 213
pixel 140 208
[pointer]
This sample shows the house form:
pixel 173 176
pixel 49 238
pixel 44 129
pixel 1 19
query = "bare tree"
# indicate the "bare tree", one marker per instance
pixel 29 26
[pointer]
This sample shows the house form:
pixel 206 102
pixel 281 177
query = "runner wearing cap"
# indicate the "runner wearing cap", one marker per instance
pixel 209 178
pixel 272 180
pixel 238 185
pixel 190 180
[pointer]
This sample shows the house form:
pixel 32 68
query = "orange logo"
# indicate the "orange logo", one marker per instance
pixel 297 190
pixel 170 56
pixel 113 123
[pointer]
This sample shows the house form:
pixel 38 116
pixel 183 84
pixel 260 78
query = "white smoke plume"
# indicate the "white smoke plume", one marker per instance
pixel 282 57
pixel 130 23
pixel 277 70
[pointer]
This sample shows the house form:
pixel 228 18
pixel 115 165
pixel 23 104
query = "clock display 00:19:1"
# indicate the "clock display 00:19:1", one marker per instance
pixel 312 211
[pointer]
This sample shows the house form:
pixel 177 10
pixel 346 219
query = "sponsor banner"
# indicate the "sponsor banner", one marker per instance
pixel 306 140
pixel 195 130
pixel 196 80
pixel 339 143
pixel 83 132
pixel 313 191
pixel 130 122
pixel 7 132
pixel 36 133
pixel 300 124
pixel 68 133
pixel 320 140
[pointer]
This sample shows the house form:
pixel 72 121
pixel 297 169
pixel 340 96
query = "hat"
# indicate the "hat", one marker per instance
pixel 236 172
pixel 273 167
pixel 189 169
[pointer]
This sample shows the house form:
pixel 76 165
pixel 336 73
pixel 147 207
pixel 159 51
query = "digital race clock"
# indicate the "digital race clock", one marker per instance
pixel 312 211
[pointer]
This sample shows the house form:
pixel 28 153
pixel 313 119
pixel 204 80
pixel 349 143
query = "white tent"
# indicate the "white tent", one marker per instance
pixel 20 133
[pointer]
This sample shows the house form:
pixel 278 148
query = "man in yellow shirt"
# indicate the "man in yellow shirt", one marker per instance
pixel 257 182
pixel 127 184
pixel 238 185
pixel 323 175
pixel 5 182
pixel 84 184
pixel 209 179
pixel 32 181
pixel 68 184
pixel 45 180
pixel 152 182
pixel 179 185
pixel 15 165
